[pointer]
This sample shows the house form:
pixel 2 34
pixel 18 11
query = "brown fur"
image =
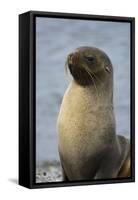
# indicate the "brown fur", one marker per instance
pixel 88 145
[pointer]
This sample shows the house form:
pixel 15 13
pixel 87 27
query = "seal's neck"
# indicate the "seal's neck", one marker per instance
pixel 101 91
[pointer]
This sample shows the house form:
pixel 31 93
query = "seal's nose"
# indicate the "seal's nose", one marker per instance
pixel 73 58
pixel 70 58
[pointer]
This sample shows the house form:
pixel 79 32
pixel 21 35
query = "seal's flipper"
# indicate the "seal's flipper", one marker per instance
pixel 64 176
pixel 125 165
pixel 110 164
pixel 116 163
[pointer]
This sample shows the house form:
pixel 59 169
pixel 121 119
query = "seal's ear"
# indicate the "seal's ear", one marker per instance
pixel 108 68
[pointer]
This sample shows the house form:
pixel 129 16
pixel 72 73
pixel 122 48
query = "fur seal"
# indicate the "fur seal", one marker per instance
pixel 88 145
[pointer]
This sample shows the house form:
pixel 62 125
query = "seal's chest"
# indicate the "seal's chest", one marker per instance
pixel 79 111
pixel 81 118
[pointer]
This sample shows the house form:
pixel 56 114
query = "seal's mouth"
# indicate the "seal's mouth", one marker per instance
pixel 73 60
pixel 78 70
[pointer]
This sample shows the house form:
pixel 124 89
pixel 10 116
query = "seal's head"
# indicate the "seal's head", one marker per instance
pixel 86 63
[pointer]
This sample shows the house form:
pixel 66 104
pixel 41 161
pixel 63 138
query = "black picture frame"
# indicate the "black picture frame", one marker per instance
pixel 27 97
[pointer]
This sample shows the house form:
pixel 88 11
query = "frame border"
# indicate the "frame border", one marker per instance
pixel 27 97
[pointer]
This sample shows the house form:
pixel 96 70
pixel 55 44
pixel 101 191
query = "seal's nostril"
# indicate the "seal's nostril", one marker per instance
pixel 73 58
pixel 70 56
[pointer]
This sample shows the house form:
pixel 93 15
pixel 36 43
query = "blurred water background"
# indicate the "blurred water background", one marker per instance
pixel 55 39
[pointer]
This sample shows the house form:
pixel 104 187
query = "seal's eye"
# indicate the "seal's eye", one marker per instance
pixel 89 58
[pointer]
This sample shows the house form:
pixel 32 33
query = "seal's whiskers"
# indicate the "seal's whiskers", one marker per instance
pixel 66 67
pixel 96 77
pixel 67 74
pixel 93 82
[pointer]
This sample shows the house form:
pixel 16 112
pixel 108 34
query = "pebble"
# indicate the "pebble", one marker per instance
pixel 49 173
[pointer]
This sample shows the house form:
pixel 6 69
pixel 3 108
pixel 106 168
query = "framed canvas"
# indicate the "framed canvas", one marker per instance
pixel 76 99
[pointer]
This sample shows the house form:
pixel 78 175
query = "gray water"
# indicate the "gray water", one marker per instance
pixel 55 39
